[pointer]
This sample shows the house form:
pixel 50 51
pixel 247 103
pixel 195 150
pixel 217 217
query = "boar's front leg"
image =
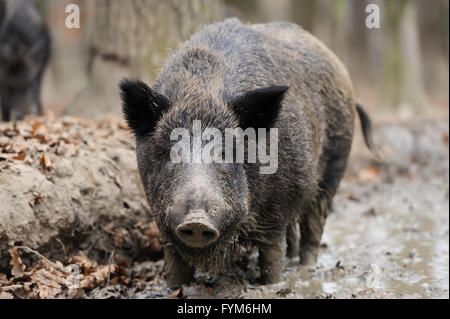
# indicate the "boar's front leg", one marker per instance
pixel 177 271
pixel 271 260
pixel 292 240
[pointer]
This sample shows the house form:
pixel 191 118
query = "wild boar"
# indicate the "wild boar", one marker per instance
pixel 24 54
pixel 234 75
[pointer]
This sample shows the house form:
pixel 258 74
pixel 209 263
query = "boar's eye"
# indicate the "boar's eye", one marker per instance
pixel 142 106
pixel 259 108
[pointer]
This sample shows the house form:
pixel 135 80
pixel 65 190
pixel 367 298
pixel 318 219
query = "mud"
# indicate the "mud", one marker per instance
pixel 387 237
pixel 69 182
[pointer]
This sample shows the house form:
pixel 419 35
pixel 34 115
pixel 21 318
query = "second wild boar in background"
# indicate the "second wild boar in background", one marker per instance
pixel 24 54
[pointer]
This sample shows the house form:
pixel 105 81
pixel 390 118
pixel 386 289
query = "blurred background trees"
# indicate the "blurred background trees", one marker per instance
pixel 117 39
pixel 403 66
pixel 2 12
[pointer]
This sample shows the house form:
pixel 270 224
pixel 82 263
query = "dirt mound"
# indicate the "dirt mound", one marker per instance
pixel 68 184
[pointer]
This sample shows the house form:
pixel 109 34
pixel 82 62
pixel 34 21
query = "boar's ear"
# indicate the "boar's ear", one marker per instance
pixel 142 107
pixel 259 108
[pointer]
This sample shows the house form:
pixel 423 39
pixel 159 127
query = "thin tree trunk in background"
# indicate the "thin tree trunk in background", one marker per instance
pixel 357 41
pixel 433 25
pixel 245 10
pixel 66 74
pixel 330 25
pixel 376 48
pixel 139 33
pixel 393 64
pixel 303 13
pixel 270 10
pixel 131 39
pixel 413 92
pixel 364 58
pixel 402 82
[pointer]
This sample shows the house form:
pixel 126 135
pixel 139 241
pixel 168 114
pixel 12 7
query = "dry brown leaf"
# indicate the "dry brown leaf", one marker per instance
pixel 154 246
pixel 87 282
pixel 97 277
pixel 86 265
pixel 44 277
pixel 151 282
pixel 18 267
pixel 47 292
pixel 35 126
pixel 50 283
pixel 177 293
pixel 108 228
pixel 19 157
pixel 368 174
pixel 45 161
pixel 119 236
pixel 123 262
pixel 41 133
pixel 101 275
pixel 27 286
pixel 35 200
pixel 75 293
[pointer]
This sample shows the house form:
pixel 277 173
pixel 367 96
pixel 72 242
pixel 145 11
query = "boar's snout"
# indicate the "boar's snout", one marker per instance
pixel 197 231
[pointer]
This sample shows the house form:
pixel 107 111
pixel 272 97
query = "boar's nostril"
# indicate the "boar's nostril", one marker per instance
pixel 198 233
pixel 186 232
pixel 208 234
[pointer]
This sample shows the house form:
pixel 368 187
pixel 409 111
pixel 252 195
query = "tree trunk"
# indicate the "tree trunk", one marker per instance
pixel 131 39
pixel 303 13
pixel 433 23
pixel 393 64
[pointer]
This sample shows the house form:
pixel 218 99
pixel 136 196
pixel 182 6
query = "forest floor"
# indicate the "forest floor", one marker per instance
pixel 387 237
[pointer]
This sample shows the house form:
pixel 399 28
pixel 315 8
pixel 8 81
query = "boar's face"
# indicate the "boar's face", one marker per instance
pixel 199 207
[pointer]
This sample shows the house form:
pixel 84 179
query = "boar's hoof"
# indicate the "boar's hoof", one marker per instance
pixel 308 255
pixel 197 234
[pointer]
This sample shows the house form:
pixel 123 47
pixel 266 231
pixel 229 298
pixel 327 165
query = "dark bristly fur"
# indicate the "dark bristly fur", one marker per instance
pixel 235 75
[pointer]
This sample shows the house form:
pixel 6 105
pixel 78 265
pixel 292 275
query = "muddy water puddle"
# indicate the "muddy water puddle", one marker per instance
pixel 385 238
pixel 392 244
pixel 395 245
pixel 382 240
